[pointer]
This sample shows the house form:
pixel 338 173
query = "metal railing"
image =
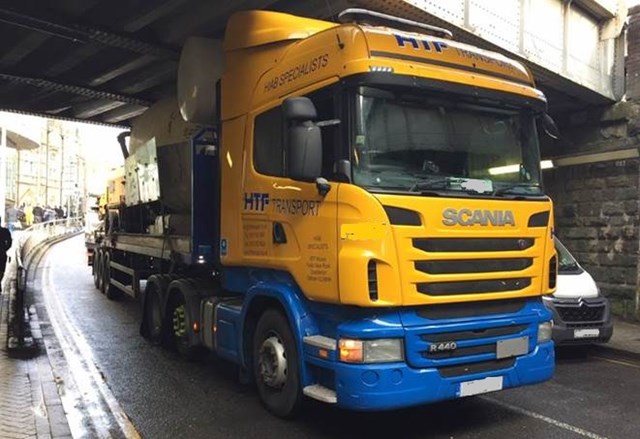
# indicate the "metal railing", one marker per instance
pixel 31 240
pixel 40 233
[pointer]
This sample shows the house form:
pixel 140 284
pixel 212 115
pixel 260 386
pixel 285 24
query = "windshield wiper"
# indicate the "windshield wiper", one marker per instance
pixel 507 189
pixel 433 182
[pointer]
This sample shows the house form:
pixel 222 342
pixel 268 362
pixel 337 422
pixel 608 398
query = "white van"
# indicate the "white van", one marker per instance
pixel 580 314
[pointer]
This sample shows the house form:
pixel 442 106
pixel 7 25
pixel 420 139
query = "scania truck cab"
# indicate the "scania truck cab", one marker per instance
pixel 368 225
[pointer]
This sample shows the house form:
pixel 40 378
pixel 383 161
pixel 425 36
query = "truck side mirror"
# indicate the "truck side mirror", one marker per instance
pixel 549 126
pixel 304 152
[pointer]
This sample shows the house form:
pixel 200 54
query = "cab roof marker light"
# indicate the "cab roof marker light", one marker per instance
pixel 359 15
pixel 381 69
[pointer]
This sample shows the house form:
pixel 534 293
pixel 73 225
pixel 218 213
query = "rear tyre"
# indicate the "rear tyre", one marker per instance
pixel 275 365
pixel 178 328
pixel 109 290
pixel 153 323
pixel 105 272
pixel 97 270
pixel 153 317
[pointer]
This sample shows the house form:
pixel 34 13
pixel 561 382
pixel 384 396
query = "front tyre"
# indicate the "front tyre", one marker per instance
pixel 275 364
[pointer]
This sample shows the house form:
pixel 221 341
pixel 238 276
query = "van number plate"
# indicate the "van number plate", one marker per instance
pixel 586 333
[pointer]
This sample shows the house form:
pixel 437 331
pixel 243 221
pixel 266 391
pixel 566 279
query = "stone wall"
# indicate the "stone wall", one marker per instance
pixel 596 212
pixel 597 204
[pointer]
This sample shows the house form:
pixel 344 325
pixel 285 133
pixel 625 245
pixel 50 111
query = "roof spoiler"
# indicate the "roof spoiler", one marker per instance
pixel 365 16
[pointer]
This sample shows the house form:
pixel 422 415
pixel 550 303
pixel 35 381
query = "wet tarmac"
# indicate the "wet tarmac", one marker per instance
pixel 592 395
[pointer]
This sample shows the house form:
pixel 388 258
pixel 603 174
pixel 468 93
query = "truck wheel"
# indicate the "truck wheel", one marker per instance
pixel 179 331
pixel 275 364
pixel 153 316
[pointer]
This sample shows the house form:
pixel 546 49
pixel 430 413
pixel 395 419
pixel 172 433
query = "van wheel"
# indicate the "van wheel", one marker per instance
pixel 275 364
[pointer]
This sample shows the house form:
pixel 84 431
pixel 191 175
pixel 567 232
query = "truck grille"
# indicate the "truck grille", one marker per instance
pixel 481 367
pixel 473 286
pixel 475 349
pixel 582 312
pixel 473 265
pixel 462 310
pixel 438 268
pixel 449 245
pixel 488 348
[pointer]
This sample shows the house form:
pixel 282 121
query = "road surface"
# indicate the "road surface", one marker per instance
pixel 115 382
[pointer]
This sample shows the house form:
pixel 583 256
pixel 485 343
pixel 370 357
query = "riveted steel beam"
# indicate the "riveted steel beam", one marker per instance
pixel 81 33
pixel 73 89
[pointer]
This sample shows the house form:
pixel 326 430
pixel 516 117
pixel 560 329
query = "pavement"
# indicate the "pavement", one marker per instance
pixel 30 404
pixel 625 339
pixel 30 390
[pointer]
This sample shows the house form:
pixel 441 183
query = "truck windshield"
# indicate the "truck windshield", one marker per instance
pixel 427 144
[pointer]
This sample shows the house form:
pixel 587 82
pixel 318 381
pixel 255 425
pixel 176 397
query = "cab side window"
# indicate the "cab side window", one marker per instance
pixel 268 143
pixel 269 153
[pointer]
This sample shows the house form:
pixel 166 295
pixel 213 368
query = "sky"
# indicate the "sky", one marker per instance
pixel 102 153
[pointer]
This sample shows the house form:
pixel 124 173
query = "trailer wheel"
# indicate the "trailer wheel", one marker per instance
pixel 109 290
pixel 104 271
pixel 275 364
pixel 153 324
pixel 97 270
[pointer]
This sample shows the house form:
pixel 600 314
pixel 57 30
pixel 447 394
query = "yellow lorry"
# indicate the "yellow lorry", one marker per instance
pixel 363 221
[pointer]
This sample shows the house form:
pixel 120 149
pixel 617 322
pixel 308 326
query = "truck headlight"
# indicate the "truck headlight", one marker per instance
pixel 382 350
pixel 544 331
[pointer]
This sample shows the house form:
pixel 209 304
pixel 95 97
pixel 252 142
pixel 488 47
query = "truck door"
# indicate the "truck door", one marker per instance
pixel 286 224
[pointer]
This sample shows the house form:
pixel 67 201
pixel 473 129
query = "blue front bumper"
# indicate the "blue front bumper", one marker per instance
pixel 392 386
pixel 486 344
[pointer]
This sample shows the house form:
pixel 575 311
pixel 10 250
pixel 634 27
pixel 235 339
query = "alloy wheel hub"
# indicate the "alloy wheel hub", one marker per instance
pixel 273 363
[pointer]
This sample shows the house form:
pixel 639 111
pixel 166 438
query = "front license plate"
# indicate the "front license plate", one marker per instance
pixel 586 333
pixel 512 347
pixel 476 387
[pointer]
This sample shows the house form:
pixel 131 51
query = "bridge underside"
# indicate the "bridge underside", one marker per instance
pixel 106 61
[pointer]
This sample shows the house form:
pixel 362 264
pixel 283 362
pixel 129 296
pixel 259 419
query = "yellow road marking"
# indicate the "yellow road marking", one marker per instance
pixel 620 362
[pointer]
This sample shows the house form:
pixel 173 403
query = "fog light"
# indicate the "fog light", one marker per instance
pixel 544 332
pixel 383 350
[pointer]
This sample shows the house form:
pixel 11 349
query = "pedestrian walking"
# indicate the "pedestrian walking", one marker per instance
pixel 38 213
pixel 5 245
